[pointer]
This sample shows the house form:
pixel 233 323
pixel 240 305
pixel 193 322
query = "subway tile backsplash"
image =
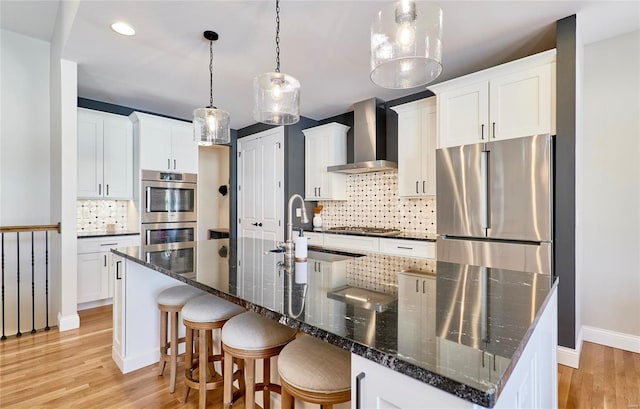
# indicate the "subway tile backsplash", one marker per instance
pixel 95 215
pixel 372 201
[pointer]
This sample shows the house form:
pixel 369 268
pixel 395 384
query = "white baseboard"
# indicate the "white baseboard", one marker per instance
pixel 68 322
pixel 569 356
pixel 94 304
pixel 612 339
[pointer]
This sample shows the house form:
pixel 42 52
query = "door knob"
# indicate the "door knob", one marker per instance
pixel 257 224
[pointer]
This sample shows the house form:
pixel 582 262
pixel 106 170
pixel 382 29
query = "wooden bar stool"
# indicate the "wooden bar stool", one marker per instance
pixel 315 372
pixel 170 303
pixel 250 336
pixel 202 316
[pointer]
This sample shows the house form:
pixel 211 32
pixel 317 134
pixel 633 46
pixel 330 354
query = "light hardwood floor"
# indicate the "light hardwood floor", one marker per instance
pixel 74 369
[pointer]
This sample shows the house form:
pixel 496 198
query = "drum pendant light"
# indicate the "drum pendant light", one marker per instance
pixel 406 45
pixel 276 95
pixel 210 124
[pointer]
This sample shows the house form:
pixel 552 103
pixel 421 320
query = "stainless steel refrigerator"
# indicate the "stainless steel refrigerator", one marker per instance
pixel 495 204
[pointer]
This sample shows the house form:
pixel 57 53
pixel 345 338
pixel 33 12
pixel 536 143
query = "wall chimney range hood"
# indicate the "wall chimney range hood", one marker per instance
pixel 369 139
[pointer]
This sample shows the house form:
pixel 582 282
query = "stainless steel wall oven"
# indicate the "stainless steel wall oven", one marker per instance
pixel 169 197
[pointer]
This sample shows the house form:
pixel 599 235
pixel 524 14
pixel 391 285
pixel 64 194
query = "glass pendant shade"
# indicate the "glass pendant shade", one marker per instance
pixel 406 45
pixel 211 126
pixel 276 99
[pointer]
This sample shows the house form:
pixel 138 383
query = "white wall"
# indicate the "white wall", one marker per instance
pixel 610 199
pixel 24 173
pixel 213 171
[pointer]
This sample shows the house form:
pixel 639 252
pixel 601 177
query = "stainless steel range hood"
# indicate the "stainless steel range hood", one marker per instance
pixel 369 139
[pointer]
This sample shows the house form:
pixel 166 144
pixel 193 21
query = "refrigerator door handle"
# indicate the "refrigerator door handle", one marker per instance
pixel 484 191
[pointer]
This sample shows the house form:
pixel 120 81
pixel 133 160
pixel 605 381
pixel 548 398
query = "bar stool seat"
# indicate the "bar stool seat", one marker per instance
pixel 170 302
pixel 250 336
pixel 203 315
pixel 315 372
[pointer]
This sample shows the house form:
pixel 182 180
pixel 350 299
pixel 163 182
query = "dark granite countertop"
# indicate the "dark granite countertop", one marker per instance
pixel 403 236
pixel 471 312
pixel 92 234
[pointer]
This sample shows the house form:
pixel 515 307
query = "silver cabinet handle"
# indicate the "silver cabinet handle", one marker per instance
pixel 118 276
pixel 494 130
pixel 169 163
pixel 423 283
pixel 109 244
pixel 417 191
pixel 424 188
pixel 482 132
pixel 105 260
pixel 359 379
pixel 107 189
pixel 405 248
pixel 319 191
pixel 99 188
pixel 417 285
pixel 174 164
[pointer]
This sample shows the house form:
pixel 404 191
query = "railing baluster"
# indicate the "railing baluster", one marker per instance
pixel 3 334
pixel 46 278
pixel 18 334
pixel 33 289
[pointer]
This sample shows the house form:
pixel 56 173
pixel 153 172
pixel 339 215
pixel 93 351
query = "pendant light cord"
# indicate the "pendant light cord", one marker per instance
pixel 277 35
pixel 210 74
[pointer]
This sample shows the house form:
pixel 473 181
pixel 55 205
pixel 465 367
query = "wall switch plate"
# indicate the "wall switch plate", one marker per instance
pixel 298 212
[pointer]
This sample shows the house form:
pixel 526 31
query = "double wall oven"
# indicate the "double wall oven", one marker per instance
pixel 168 215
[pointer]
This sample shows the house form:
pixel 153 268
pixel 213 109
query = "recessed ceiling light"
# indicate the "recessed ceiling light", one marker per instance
pixel 123 28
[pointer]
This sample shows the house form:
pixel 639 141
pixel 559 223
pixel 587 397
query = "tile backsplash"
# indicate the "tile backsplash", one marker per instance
pixel 95 215
pixel 372 201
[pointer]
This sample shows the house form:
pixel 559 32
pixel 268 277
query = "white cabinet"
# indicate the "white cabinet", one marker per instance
pixel 417 298
pixel 351 242
pixel 95 273
pixel 320 310
pixel 118 269
pixel 315 239
pixel 509 101
pixel 408 248
pixel 325 145
pixel 417 133
pixel 165 144
pixel 105 155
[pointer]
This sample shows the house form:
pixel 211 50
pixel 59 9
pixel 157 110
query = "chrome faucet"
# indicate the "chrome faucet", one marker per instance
pixel 288 245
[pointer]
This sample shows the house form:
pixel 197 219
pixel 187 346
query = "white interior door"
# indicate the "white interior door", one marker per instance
pixel 260 185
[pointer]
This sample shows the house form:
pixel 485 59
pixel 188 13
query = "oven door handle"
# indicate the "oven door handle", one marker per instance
pixel 147 199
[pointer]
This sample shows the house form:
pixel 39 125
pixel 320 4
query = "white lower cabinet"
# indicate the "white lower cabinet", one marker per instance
pixel 315 239
pixel 417 298
pixel 394 247
pixel 408 248
pixel 351 242
pixel 320 310
pixel 95 273
pixel 118 267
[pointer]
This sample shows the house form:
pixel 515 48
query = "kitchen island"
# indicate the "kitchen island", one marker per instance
pixel 421 333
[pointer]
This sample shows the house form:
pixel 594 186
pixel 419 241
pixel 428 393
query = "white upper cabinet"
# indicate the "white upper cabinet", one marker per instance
pixel 417 148
pixel 325 145
pixel 509 101
pixel 165 144
pixel 105 155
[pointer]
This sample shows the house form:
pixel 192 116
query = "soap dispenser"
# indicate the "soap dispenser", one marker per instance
pixel 301 247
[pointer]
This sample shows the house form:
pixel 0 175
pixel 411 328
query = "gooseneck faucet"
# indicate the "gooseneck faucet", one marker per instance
pixel 289 245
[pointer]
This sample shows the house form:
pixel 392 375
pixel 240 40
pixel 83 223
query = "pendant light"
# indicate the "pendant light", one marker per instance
pixel 210 124
pixel 406 45
pixel 276 95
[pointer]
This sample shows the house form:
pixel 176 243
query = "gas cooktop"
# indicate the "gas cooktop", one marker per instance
pixel 364 230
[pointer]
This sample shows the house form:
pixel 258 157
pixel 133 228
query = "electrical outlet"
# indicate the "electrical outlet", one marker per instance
pixel 298 212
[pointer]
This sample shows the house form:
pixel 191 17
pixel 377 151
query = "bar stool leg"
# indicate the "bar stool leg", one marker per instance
pixel 204 361
pixel 174 351
pixel 250 379
pixel 163 341
pixel 227 398
pixel 266 376
pixel 287 399
pixel 188 360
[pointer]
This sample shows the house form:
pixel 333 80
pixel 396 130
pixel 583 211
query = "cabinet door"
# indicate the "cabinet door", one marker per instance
pixel 409 304
pixel 463 114
pixel 428 151
pixel 313 152
pixel 118 158
pixel 155 146
pixel 184 149
pixel 409 153
pixel 520 103
pixel 90 155
pixel 93 282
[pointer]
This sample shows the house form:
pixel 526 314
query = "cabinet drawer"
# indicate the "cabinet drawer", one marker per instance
pixel 315 239
pixel 344 242
pixel 97 245
pixel 408 248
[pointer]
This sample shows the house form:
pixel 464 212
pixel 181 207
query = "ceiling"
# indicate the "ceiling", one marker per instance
pixel 324 44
